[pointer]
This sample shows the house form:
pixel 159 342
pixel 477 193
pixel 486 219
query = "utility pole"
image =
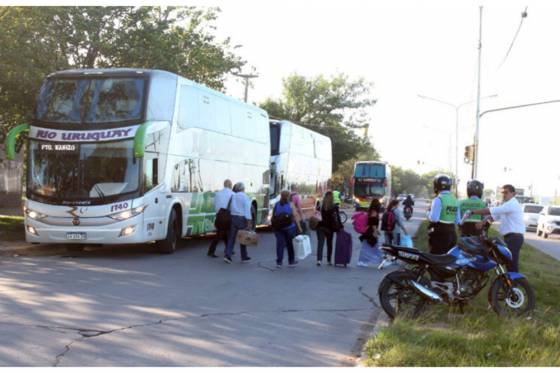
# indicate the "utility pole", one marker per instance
pixel 246 77
pixel 475 163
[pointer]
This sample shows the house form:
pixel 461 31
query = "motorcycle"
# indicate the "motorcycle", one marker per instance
pixel 454 278
pixel 407 211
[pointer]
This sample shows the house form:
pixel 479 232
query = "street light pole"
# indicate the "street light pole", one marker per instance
pixel 475 168
pixel 246 78
pixel 456 108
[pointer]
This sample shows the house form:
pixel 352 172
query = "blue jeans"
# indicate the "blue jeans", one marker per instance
pixel 284 240
pixel 237 223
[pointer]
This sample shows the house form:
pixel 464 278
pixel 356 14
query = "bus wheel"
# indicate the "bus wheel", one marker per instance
pixel 169 244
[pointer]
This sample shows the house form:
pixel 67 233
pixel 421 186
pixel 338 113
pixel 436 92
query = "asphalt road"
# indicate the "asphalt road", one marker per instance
pixel 124 306
pixel 549 246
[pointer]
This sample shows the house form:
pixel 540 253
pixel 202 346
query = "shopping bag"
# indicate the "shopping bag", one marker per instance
pixel 369 255
pixel 302 246
pixel 406 241
pixel 247 238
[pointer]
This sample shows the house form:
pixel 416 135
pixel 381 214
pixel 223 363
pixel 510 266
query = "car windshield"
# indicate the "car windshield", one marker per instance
pixel 98 100
pixel 362 189
pixel 82 172
pixel 533 209
pixel 554 211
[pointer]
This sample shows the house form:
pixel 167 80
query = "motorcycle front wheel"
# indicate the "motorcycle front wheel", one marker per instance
pixel 514 301
pixel 398 298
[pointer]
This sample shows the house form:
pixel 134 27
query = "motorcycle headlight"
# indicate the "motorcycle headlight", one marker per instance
pixel 35 215
pixel 123 215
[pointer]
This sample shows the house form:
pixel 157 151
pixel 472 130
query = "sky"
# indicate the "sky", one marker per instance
pixel 425 48
pixel 409 48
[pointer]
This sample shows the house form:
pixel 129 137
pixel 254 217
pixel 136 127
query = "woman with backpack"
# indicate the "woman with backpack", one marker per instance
pixel 329 224
pixel 391 222
pixel 370 252
pixel 284 223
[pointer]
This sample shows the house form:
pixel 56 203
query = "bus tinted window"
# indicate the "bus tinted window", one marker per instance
pixel 370 170
pixel 90 100
pixel 274 139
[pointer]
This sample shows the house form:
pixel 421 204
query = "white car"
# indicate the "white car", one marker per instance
pixel 531 215
pixel 549 221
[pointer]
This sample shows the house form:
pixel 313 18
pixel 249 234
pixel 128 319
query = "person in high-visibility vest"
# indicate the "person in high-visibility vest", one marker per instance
pixel 443 216
pixel 474 202
pixel 336 197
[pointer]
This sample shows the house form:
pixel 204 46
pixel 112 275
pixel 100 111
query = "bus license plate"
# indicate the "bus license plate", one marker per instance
pixel 76 236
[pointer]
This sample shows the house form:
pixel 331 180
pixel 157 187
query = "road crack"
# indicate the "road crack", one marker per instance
pixel 369 298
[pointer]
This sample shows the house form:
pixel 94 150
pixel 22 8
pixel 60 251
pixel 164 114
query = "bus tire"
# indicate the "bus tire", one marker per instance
pixel 169 244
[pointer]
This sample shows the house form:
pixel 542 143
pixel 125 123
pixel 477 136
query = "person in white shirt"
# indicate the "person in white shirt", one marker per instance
pixel 221 201
pixel 241 218
pixel 512 227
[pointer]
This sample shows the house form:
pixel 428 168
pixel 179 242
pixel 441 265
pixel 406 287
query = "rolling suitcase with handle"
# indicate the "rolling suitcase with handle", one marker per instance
pixel 343 249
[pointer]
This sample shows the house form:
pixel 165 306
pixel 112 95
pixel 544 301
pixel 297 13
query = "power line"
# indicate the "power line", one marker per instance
pixel 523 16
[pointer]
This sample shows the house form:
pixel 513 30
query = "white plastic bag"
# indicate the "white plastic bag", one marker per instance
pixel 302 246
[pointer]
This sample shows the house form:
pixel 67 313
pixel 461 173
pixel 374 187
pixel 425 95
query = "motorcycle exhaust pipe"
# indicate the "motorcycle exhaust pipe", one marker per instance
pixel 427 292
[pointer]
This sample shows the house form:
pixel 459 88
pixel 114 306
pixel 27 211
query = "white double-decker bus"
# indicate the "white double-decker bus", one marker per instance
pixel 299 157
pixel 120 156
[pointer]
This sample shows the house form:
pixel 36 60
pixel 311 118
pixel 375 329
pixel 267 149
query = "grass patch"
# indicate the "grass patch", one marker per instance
pixel 478 337
pixel 11 228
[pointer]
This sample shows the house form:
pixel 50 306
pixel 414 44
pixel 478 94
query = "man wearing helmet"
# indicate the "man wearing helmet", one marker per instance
pixel 473 202
pixel 443 216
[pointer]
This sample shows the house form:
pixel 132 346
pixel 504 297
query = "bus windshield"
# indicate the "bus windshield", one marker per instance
pixel 82 172
pixel 370 170
pixel 91 100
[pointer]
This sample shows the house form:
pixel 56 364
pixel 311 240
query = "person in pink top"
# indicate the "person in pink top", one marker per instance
pixel 295 199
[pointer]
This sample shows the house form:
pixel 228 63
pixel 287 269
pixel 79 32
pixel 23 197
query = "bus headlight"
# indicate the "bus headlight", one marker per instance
pixel 130 230
pixel 34 214
pixel 32 230
pixel 123 215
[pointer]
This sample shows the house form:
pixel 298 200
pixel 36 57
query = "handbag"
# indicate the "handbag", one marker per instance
pixel 223 218
pixel 247 238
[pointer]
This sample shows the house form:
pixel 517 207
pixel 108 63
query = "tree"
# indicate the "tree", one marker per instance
pixel 334 107
pixel 406 182
pixel 39 40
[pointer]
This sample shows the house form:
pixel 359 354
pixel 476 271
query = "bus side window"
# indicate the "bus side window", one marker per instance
pixel 150 174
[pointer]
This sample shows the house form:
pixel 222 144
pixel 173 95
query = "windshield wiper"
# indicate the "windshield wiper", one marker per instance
pixel 99 191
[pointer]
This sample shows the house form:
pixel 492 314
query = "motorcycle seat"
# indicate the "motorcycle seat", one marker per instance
pixel 439 259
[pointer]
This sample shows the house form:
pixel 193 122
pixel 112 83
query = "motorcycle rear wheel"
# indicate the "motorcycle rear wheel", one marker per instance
pixel 398 298
pixel 517 300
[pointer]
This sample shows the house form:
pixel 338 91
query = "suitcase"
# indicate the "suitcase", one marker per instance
pixel 302 246
pixel 343 249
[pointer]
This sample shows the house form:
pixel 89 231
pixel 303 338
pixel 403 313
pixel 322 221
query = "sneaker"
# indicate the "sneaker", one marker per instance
pixel 318 263
pixel 227 259
pixel 329 263
pixel 279 266
pixel 246 260
pixel 212 255
pixel 293 264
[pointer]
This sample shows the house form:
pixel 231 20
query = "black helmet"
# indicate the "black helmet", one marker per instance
pixel 475 188
pixel 442 182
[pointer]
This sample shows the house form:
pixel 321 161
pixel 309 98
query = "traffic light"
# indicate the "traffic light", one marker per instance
pixel 469 154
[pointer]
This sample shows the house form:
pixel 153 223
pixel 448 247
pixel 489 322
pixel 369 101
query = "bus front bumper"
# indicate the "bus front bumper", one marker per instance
pixel 128 231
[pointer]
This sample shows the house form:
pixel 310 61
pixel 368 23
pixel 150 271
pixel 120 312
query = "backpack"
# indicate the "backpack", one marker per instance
pixel 223 218
pixel 360 222
pixel 388 221
pixel 282 220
